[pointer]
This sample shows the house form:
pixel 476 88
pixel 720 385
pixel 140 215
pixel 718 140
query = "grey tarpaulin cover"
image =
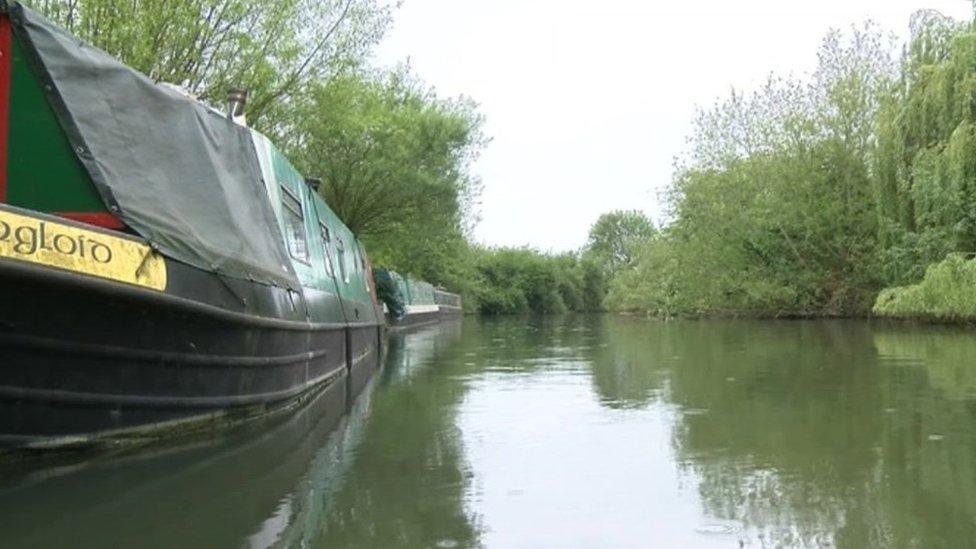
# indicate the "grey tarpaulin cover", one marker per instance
pixel 181 175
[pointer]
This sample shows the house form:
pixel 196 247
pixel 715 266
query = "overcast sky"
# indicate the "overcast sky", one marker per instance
pixel 588 103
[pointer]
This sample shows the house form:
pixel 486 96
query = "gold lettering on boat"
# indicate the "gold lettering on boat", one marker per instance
pixel 71 248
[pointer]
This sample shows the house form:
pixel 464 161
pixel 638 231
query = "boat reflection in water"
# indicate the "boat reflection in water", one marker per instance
pixel 269 483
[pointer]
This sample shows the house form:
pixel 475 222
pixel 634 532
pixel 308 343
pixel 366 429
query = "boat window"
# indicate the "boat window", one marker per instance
pixel 326 238
pixel 362 262
pixel 295 235
pixel 341 252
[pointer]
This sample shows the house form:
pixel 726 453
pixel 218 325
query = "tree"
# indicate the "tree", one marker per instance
pixel 616 236
pixel 389 151
pixel 773 208
pixel 926 185
pixel 394 160
pixel 208 46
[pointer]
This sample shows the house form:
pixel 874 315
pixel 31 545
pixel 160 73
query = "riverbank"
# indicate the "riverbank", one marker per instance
pixel 743 313
pixel 947 293
pixel 910 318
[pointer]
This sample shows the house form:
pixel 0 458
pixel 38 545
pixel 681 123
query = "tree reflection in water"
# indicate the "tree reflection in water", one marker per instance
pixel 827 433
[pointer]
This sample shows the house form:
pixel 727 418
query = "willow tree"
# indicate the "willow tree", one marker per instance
pixel 926 162
pixel 394 160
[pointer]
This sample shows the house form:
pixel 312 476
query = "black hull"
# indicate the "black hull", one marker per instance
pixel 446 312
pixel 416 320
pixel 85 360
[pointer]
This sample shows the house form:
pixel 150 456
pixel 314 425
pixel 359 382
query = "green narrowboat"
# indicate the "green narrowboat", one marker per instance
pixel 160 264
pixel 410 303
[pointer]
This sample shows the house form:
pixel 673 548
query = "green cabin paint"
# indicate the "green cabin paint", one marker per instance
pixel 43 172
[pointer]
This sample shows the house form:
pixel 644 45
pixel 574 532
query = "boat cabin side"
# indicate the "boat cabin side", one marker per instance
pixel 39 169
pixel 330 262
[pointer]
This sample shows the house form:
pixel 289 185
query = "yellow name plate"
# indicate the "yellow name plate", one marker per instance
pixel 70 248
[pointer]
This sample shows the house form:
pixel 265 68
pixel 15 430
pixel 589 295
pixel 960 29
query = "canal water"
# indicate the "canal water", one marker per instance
pixel 587 431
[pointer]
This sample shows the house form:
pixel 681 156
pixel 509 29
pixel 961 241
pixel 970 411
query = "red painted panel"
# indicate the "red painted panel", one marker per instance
pixel 6 52
pixel 104 220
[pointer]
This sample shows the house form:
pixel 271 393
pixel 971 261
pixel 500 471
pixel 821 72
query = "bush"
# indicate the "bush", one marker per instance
pixel 946 293
pixel 523 280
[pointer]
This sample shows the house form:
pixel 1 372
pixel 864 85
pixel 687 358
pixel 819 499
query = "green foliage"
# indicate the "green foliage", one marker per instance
pixel 394 162
pixel 947 292
pixel 594 284
pixel 615 240
pixel 616 237
pixel 523 280
pixel 810 197
pixel 926 161
pixel 208 46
